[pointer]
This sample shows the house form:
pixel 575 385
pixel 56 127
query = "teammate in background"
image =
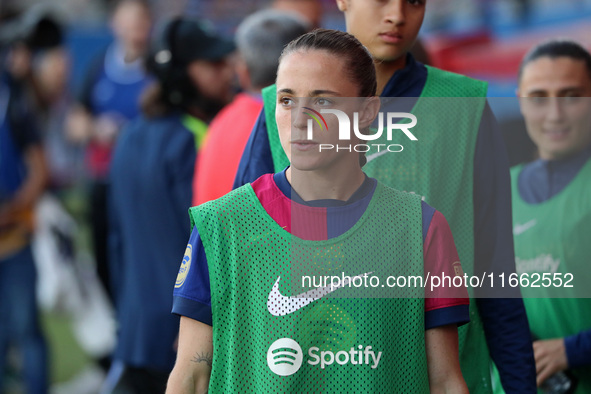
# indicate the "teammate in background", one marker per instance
pixel 23 177
pixel 150 193
pixel 475 196
pixel 313 11
pixel 108 99
pixel 552 203
pixel 260 38
pixel 232 285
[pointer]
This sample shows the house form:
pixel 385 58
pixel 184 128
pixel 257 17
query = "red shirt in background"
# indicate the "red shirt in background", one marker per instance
pixel 218 159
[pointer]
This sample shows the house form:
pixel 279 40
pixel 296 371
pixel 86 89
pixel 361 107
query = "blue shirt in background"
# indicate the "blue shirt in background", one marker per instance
pixel 150 194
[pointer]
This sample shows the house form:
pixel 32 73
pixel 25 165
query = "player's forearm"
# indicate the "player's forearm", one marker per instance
pixel 447 380
pixel 180 384
pixel 445 375
pixel 452 385
pixel 188 382
pixel 192 370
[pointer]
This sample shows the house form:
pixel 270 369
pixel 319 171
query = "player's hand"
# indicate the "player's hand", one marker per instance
pixel 550 358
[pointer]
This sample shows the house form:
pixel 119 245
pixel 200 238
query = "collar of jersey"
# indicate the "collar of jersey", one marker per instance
pixel 366 189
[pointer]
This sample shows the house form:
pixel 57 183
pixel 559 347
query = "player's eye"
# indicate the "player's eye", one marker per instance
pixel 571 99
pixel 285 101
pixel 538 100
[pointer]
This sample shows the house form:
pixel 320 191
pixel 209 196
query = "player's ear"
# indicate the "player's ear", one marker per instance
pixel 369 111
pixel 342 4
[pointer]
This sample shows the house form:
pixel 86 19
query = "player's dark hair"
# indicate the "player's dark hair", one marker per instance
pixel 357 59
pixel 557 48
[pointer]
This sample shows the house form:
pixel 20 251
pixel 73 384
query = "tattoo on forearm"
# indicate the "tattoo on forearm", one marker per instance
pixel 204 357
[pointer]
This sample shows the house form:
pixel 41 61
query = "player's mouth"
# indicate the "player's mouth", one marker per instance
pixel 391 37
pixel 557 134
pixel 303 145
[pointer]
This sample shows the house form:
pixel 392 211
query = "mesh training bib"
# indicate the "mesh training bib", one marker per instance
pixel 553 237
pixel 266 339
pixel 439 166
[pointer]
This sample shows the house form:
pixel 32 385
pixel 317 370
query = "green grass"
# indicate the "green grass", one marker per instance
pixel 65 355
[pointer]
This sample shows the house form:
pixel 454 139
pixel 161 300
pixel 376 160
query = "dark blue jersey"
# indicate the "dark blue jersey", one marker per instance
pixel 150 194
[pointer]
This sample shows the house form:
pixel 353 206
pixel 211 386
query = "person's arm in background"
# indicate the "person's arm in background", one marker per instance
pixel 28 140
pixel 37 177
pixel 504 319
pixel 578 349
pixel 256 159
pixel 555 355
pixel 30 191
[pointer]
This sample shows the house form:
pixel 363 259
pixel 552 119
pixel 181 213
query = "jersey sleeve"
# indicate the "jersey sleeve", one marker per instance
pixel 257 159
pixel 504 319
pixel 192 291
pixel 578 349
pixel 445 304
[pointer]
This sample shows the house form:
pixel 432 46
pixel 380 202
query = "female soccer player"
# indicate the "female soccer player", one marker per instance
pixel 247 326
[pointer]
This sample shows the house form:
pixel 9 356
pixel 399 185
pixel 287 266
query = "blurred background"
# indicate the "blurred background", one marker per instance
pixel 485 39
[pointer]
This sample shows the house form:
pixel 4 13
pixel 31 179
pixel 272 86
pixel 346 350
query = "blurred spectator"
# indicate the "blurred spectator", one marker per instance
pixel 65 158
pixel 552 208
pixel 260 39
pixel 23 176
pixel 150 194
pixel 310 10
pixel 108 99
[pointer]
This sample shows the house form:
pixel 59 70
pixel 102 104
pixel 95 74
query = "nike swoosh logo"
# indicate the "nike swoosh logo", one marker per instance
pixel 375 155
pixel 280 305
pixel 521 228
